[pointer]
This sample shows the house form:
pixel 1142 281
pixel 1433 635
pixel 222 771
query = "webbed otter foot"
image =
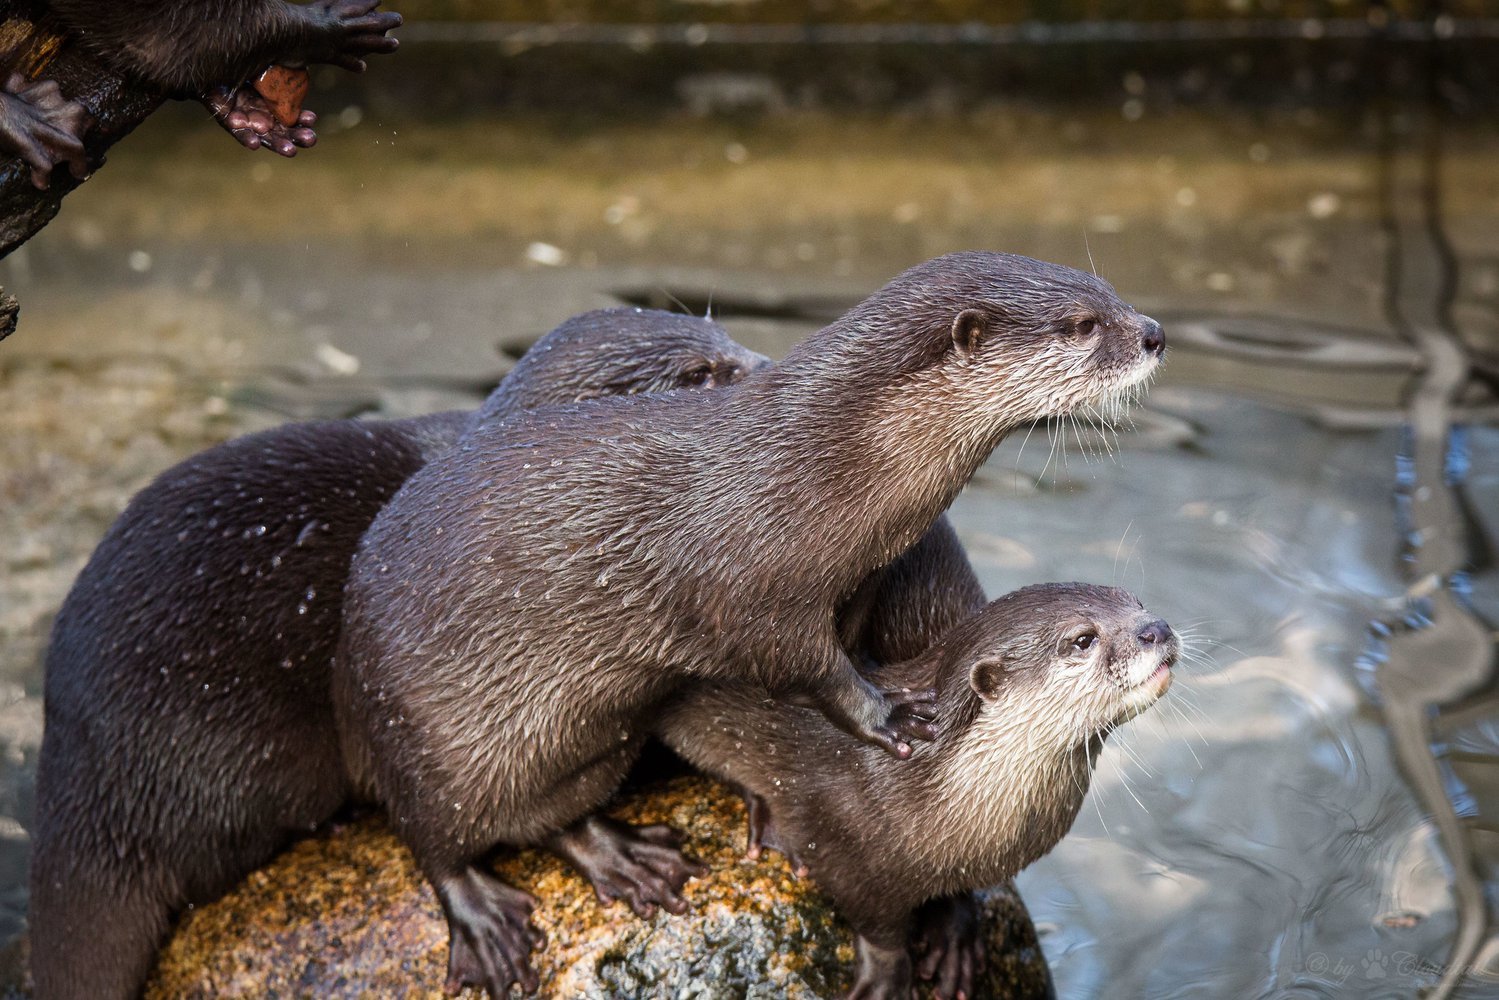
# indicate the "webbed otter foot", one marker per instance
pixel 760 833
pixel 343 32
pixel 43 128
pixel 908 715
pixel 250 118
pixel 880 973
pixel 490 934
pixel 642 865
pixel 889 720
pixel 949 945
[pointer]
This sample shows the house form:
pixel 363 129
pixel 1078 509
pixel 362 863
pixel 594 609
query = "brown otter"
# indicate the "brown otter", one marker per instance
pixel 517 611
pixel 1027 691
pixel 894 616
pixel 189 732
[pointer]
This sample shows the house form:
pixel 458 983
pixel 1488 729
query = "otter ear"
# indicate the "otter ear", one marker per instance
pixel 987 676
pixel 968 331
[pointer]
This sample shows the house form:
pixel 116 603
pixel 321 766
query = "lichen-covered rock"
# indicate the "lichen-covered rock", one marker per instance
pixel 346 914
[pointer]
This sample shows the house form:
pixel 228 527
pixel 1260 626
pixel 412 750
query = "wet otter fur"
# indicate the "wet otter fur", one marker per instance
pixel 523 604
pixel 1028 689
pixel 189 729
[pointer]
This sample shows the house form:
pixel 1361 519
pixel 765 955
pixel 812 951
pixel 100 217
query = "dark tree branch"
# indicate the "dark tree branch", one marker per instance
pixel 10 311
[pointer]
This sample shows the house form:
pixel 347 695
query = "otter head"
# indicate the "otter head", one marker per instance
pixel 1069 662
pixel 621 352
pixel 1002 340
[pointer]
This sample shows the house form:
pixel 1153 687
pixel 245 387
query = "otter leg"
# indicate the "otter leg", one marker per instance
pixel 642 865
pixel 886 719
pixel 490 934
pixel 947 938
pixel 91 935
pixel 882 971
pixel 43 128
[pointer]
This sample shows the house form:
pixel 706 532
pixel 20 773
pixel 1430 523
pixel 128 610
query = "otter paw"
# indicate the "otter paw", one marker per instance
pixel 349 30
pixel 948 947
pixel 43 128
pixel 910 715
pixel 490 935
pixel 249 117
pixel 880 973
pixel 915 711
pixel 642 865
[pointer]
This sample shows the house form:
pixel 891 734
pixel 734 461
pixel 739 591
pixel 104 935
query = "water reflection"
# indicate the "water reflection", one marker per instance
pixel 1437 653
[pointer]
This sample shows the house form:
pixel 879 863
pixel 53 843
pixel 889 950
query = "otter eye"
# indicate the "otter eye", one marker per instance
pixel 697 376
pixel 1085 641
pixel 1086 326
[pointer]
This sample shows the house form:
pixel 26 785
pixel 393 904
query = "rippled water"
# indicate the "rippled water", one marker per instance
pixel 1311 493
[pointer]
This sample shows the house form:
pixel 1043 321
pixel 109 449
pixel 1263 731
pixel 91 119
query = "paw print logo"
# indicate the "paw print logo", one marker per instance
pixel 1375 964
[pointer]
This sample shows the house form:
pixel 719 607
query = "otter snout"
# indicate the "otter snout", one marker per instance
pixel 1157 633
pixel 1152 342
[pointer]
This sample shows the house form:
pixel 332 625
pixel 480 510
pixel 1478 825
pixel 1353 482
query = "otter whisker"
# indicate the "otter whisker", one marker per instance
pixel 1175 707
pixel 1024 441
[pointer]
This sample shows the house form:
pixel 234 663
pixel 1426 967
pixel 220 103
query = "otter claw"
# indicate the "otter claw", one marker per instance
pixel 921 704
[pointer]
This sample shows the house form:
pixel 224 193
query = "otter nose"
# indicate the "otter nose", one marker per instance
pixel 1155 633
pixel 1152 337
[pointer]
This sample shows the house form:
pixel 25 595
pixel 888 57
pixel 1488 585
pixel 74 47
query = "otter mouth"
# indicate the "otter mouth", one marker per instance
pixel 1159 680
pixel 1142 694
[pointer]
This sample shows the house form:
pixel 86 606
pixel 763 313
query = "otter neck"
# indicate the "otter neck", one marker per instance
pixel 816 445
pixel 994 795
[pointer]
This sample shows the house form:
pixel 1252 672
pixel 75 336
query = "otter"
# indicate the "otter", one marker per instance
pixel 1028 689
pixel 189 733
pixel 206 50
pixel 527 600
pixel 894 616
